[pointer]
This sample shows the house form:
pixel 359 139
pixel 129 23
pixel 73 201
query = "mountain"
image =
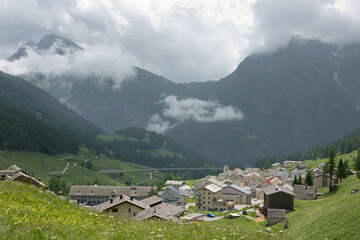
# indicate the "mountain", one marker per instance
pixel 51 42
pixel 302 95
pixel 148 148
pixel 21 98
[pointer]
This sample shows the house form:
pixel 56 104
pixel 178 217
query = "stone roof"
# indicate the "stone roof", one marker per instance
pixel 276 213
pixel 275 189
pixel 120 200
pixel 152 200
pixel 288 186
pixel 240 189
pixel 213 188
pixel 164 211
pixel 85 190
pixel 304 189
pixel 14 172
pixel 174 183
pixel 317 172
pixel 173 189
pixel 15 168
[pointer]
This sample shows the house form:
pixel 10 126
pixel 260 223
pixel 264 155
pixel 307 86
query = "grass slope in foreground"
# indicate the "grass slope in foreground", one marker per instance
pixel 332 216
pixel 27 213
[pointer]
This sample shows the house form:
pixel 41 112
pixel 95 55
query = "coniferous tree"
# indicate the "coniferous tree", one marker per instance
pixel 347 167
pixel 309 179
pixel 300 180
pixel 314 155
pixel 357 161
pixel 266 164
pixel 331 166
pixel 341 171
pixel 295 180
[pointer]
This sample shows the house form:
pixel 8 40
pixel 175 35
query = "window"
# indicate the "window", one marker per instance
pixel 208 193
pixel 204 207
pixel 114 210
pixel 129 209
pixel 204 202
pixel 209 198
pixel 208 202
pixel 134 214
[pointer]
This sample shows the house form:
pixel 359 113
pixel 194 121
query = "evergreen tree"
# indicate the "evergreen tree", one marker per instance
pixel 58 186
pixel 299 182
pixel 266 164
pixel 152 192
pixel 357 161
pixel 295 180
pixel 314 154
pixel 309 179
pixel 347 167
pixel 331 167
pixel 341 171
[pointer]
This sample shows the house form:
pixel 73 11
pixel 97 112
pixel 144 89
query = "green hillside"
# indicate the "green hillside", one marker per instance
pixel 27 213
pixel 40 165
pixel 148 148
pixel 24 132
pixel 332 216
pixel 34 102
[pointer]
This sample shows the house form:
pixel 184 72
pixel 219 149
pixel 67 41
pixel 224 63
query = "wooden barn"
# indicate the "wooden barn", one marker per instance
pixel 278 197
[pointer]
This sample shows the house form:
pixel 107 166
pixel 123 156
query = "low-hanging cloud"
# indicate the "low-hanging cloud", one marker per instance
pixel 182 40
pixel 177 111
pixel 95 61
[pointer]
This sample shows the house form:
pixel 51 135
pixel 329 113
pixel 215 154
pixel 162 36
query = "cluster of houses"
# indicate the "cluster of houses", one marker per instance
pixel 212 193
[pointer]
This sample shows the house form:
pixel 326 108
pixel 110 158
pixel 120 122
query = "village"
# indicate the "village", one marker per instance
pixel 266 195
pixel 258 194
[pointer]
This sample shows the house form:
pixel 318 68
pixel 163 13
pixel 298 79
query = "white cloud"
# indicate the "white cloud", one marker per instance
pixel 177 111
pixel 96 61
pixel 183 40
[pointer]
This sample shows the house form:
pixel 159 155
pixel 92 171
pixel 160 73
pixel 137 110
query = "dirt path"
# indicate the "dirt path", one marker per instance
pixel 259 219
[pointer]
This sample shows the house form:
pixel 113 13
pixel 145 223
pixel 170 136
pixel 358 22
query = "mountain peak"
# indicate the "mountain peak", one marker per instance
pixel 60 45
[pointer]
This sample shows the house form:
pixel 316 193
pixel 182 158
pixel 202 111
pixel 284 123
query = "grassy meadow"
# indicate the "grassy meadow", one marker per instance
pixel 40 165
pixel 28 213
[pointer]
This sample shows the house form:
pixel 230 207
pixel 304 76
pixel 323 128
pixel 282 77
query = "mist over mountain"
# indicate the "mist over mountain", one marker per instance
pixel 49 43
pixel 302 95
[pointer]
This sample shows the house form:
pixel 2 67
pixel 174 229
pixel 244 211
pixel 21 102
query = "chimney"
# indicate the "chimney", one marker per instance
pixel 111 200
pixel 131 198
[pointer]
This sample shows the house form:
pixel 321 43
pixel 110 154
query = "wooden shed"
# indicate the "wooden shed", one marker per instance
pixel 278 197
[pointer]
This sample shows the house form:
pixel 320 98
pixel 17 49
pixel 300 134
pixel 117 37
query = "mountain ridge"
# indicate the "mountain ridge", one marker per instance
pixel 301 95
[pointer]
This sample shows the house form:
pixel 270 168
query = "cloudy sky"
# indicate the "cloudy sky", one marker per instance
pixel 182 40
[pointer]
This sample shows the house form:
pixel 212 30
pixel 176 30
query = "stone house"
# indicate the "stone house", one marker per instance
pixel 209 180
pixel 175 184
pixel 163 211
pixel 275 181
pixel 172 196
pixel 304 192
pixel 153 201
pixel 278 197
pixel 14 173
pixel 123 206
pixel 236 194
pixel 320 179
pixel 208 198
pixel 94 195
